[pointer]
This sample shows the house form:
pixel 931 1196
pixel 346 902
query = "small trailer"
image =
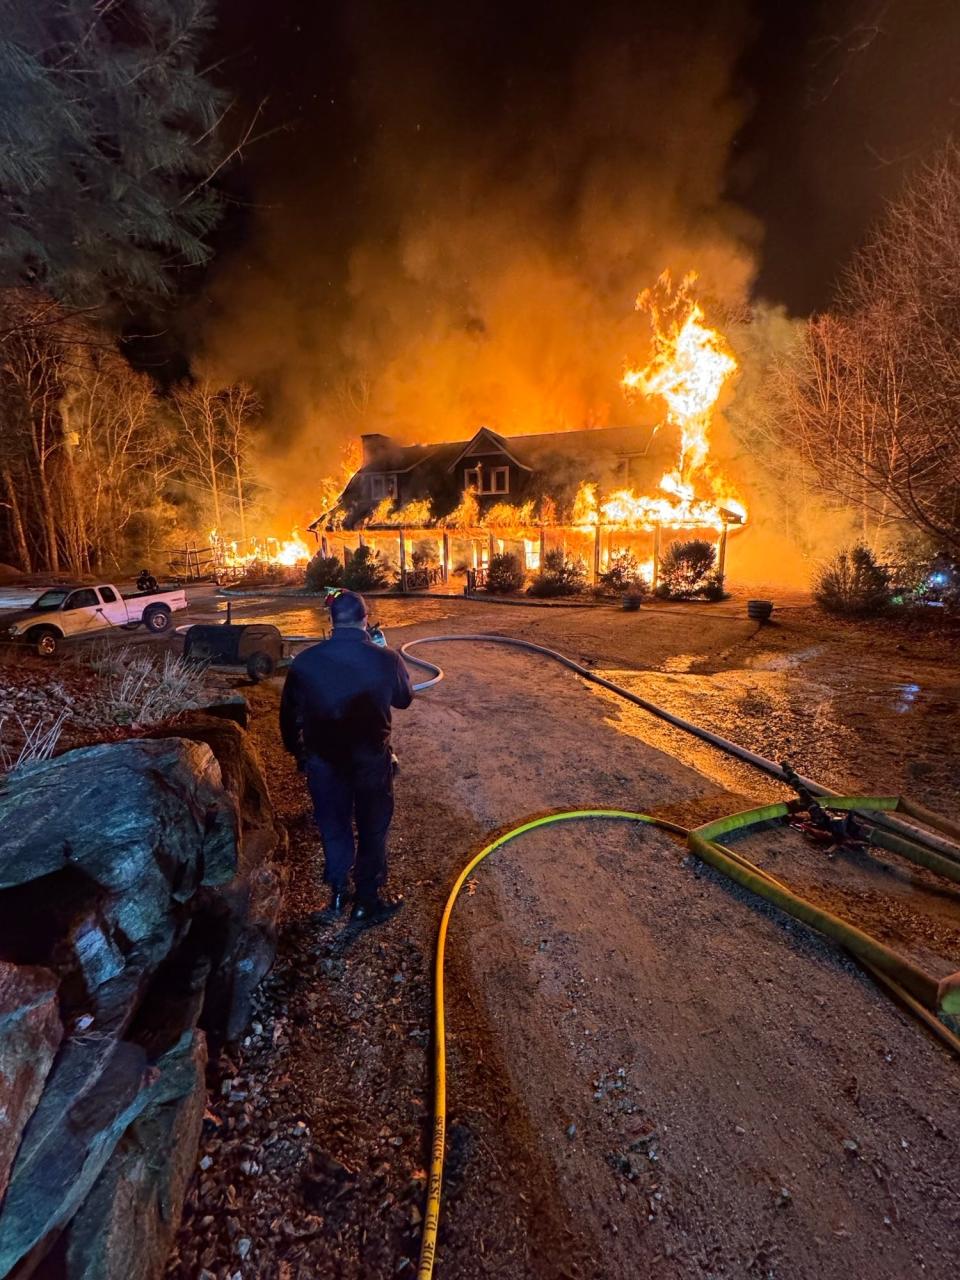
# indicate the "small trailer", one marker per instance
pixel 75 612
pixel 257 646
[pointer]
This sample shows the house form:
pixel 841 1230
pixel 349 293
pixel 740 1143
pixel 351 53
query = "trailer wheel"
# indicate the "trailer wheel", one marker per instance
pixel 46 641
pixel 259 666
pixel 130 626
pixel 156 618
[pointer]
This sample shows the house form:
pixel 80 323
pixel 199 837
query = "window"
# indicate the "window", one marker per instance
pixel 487 479
pixel 108 595
pixel 85 599
pixel 49 600
pixel 382 486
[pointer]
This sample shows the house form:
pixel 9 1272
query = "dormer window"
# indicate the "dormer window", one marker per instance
pixel 487 479
pixel 382 485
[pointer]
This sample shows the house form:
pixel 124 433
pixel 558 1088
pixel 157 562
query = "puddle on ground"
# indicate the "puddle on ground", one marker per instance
pixel 773 660
pixel 300 618
pixel 836 728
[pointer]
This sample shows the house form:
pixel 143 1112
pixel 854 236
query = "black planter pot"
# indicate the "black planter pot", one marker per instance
pixel 759 610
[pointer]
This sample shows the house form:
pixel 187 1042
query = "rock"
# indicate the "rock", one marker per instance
pixel 96 1088
pixel 238 920
pixel 125 1227
pixel 30 1033
pixel 143 820
pixel 95 1091
pixel 233 707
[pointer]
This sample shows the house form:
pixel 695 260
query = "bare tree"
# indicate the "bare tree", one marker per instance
pixel 873 389
pixel 216 444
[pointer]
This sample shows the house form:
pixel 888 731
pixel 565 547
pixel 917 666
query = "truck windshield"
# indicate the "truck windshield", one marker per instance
pixel 49 600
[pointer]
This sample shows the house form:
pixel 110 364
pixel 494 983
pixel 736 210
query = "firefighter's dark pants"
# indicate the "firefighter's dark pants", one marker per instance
pixel 361 792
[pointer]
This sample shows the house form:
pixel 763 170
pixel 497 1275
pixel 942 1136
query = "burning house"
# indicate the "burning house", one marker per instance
pixel 497 470
pixel 596 493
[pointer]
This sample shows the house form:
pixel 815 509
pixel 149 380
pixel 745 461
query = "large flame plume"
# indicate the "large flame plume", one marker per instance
pixel 688 369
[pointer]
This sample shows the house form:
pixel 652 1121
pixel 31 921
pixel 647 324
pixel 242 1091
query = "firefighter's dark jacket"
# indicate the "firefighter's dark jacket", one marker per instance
pixel 337 698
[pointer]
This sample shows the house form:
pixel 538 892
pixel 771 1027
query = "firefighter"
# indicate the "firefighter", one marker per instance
pixel 335 720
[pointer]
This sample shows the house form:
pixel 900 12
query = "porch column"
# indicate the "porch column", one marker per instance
pixel 596 554
pixel 543 544
pixel 654 576
pixel 403 560
pixel 722 550
pixel 446 556
pixel 324 549
pixel 491 548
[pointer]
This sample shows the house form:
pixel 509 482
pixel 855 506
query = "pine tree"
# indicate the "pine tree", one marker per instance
pixel 107 142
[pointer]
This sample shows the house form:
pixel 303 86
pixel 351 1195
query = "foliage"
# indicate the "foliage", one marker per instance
pixel 623 575
pixel 33 742
pixel 145 687
pixel 95 468
pixel 713 588
pixel 852 583
pixel 687 570
pixel 109 140
pixel 324 571
pixel 366 571
pixel 559 575
pixel 505 576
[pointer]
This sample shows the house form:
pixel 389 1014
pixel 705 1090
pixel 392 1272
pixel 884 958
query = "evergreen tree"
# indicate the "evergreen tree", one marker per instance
pixel 107 142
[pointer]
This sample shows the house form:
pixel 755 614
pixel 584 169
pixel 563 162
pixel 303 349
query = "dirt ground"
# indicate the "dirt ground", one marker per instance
pixel 650 1073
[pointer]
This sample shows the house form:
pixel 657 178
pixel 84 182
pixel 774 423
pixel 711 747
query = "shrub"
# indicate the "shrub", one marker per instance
pixel 687 569
pixel 559 576
pixel 505 575
pixel 852 583
pixel 146 687
pixel 33 742
pixel 623 575
pixel 713 587
pixel 366 571
pixel 323 571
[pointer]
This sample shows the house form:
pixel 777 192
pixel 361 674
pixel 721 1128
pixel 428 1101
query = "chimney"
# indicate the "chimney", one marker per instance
pixel 375 447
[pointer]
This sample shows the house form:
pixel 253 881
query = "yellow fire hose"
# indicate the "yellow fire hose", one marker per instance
pixel 919 991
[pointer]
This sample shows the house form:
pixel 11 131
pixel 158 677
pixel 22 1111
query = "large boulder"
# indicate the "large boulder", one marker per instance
pixel 237 921
pixel 95 1092
pixel 125 1227
pixel 30 1034
pixel 146 821
pixel 139 890
pixel 103 854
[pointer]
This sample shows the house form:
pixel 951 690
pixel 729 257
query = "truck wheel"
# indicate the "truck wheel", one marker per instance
pixel 157 618
pixel 259 666
pixel 46 641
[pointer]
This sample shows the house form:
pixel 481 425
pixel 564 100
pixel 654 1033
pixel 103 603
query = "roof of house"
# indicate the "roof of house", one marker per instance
pixel 531 452
pixel 527 449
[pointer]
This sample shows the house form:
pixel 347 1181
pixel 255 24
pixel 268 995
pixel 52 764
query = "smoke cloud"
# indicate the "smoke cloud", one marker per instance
pixel 467 249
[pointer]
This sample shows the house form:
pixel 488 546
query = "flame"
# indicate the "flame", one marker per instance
pixel 688 369
pixel 279 552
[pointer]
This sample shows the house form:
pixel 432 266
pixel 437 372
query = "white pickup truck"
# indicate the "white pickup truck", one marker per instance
pixel 73 612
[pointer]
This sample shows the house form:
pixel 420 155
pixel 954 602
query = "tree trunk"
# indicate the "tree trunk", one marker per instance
pixel 19 533
pixel 241 513
pixel 214 486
